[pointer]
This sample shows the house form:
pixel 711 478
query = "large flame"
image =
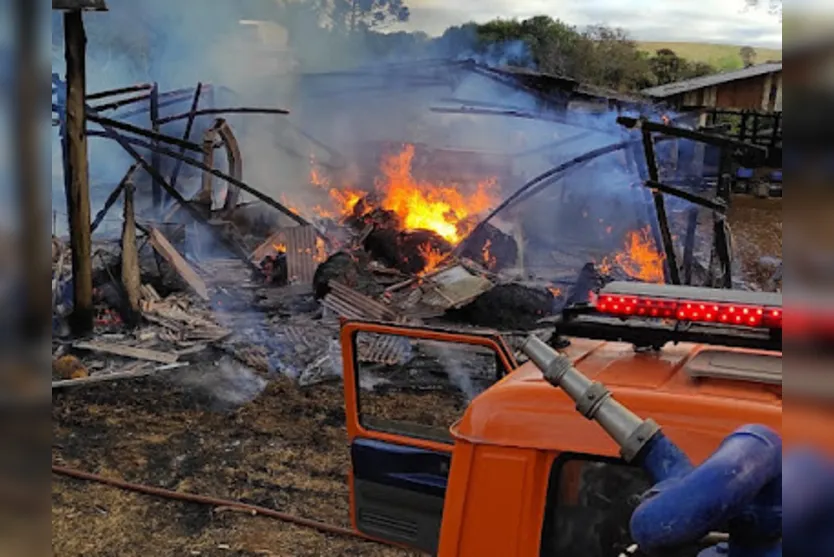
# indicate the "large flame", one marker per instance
pixel 432 257
pixel 639 259
pixel 443 209
pixel 343 200
pixel 446 209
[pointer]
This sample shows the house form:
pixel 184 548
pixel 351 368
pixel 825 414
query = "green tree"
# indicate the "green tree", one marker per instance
pixel 558 46
pixel 610 58
pixel 700 69
pixel 748 55
pixel 668 67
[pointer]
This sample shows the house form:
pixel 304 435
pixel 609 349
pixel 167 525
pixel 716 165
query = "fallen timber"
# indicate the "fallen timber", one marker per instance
pixel 193 211
pixel 114 196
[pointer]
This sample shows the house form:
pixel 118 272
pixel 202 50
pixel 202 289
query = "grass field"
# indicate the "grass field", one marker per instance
pixel 722 56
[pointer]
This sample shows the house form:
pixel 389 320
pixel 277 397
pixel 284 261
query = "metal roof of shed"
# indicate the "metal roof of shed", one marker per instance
pixel 694 84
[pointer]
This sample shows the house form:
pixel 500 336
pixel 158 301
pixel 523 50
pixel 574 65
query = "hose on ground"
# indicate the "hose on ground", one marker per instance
pixel 206 500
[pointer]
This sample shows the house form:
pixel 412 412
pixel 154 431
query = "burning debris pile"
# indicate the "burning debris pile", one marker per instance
pixel 404 250
pixel 408 224
pixel 215 277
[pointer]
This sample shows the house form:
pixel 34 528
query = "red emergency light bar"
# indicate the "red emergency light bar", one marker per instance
pixel 692 304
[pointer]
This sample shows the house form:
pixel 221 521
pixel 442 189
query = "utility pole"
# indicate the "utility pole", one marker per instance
pixel 78 182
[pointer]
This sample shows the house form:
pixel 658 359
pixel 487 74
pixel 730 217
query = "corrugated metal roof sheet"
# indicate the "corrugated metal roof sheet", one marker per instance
pixel 383 349
pixel 354 305
pixel 300 245
pixel 679 87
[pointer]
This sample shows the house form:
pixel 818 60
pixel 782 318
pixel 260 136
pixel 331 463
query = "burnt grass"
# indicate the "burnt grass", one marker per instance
pixel 286 450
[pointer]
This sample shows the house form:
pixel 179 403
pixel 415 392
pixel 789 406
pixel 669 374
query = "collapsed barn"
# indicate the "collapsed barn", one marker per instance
pixel 437 190
pixel 446 193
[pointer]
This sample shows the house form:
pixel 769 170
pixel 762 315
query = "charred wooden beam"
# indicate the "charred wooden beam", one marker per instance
pixel 539 183
pixel 555 144
pixel 122 102
pixel 518 114
pixel 113 197
pixel 119 91
pixel 674 131
pixel 673 273
pixel 231 180
pixel 93 116
pixel 132 140
pixel 156 187
pixel 78 182
pixel 186 136
pixel 126 145
pixel 165 100
pixel 715 205
pixel 218 111
pixel 723 251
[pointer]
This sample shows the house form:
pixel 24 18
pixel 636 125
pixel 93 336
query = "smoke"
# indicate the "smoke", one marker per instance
pixel 508 53
pixel 348 94
pixel 464 368
pixel 227 383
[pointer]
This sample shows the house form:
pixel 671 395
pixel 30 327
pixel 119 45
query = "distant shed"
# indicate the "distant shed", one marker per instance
pixel 756 88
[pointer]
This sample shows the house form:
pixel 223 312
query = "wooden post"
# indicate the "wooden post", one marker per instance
pixel 662 235
pixel 78 182
pixel 742 134
pixel 130 257
pixel 155 158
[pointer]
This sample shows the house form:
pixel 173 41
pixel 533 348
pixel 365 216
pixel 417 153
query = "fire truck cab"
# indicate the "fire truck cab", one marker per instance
pixel 519 471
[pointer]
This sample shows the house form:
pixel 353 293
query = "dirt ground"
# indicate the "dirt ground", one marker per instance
pixel 756 225
pixel 287 450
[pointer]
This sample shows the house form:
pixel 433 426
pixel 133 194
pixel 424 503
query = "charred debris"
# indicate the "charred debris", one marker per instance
pixel 261 286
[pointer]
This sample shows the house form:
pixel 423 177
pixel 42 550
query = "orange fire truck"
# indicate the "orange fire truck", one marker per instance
pixel 521 471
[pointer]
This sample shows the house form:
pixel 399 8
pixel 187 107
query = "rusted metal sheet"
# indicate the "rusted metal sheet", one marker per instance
pixel 383 349
pixel 301 254
pixel 88 5
pixel 353 305
pixel 300 245
pixel 454 287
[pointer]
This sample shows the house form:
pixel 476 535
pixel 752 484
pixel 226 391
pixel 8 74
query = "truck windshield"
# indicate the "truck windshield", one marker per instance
pixel 589 505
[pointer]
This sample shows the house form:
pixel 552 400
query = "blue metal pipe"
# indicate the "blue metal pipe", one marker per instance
pixel 732 487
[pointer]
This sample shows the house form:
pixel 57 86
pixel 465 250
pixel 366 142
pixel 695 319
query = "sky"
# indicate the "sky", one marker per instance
pixel 713 21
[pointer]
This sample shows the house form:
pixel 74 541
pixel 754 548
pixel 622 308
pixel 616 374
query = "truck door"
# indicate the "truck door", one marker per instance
pixel 404 387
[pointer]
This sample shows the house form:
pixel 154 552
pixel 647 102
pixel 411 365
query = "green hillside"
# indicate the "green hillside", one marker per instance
pixel 722 56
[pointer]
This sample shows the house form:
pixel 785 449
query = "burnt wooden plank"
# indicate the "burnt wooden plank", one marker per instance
pixel 161 244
